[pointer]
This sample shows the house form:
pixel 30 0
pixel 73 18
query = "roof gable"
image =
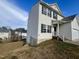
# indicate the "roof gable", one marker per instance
pixel 55 7
pixel 48 6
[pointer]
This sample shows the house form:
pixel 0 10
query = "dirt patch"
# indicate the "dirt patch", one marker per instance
pixel 6 48
pixel 51 49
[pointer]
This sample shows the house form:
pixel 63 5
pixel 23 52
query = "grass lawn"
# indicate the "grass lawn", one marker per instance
pixel 51 49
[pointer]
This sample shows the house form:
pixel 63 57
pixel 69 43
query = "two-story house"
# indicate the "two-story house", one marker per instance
pixel 46 20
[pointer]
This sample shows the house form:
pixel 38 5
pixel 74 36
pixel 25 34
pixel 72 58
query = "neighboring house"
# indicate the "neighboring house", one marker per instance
pixel 5 33
pixel 21 32
pixel 46 20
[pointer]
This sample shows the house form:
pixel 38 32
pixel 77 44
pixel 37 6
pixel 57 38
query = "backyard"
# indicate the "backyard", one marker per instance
pixel 6 48
pixel 51 49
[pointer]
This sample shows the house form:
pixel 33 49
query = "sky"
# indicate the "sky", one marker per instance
pixel 14 13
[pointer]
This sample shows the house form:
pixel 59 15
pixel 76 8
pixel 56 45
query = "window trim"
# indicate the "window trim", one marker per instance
pixel 49 29
pixel 43 28
pixel 44 11
pixel 49 12
pixel 54 15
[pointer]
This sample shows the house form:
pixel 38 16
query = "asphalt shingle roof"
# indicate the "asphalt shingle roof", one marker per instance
pixel 70 18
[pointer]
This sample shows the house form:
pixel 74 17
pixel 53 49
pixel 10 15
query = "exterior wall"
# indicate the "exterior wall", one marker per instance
pixel 65 29
pixel 75 30
pixel 36 18
pixel 24 35
pixel 32 29
pixel 4 36
pixel 44 19
pixel 59 17
pixel 18 33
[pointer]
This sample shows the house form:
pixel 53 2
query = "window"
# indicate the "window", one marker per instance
pixel 44 10
pixel 49 29
pixel 54 15
pixel 52 22
pixel 43 28
pixel 49 12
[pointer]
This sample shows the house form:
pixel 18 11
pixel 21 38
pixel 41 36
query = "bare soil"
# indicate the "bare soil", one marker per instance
pixel 51 49
pixel 6 48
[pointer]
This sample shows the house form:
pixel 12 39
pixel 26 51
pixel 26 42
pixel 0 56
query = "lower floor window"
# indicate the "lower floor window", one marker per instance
pixel 45 28
pixel 49 29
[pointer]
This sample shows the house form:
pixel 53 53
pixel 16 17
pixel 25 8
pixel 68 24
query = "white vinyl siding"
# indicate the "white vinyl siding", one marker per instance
pixel 75 30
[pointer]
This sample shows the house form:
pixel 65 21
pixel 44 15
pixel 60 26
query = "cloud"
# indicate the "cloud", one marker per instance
pixel 11 15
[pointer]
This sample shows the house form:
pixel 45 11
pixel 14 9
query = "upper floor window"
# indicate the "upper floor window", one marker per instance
pixel 44 10
pixel 54 15
pixel 43 28
pixel 49 12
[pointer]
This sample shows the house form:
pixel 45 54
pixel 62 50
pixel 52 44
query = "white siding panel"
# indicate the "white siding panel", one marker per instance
pixel 32 29
pixel 43 19
pixel 65 29
pixel 75 30
pixel 60 17
pixel 4 35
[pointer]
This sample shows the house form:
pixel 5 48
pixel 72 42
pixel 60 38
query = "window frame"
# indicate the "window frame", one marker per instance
pixel 49 13
pixel 44 10
pixel 54 15
pixel 49 28
pixel 43 28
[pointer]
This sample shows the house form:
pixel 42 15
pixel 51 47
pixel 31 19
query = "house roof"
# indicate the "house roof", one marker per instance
pixel 3 29
pixel 66 19
pixel 21 30
pixel 55 4
pixel 48 5
pixel 69 18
